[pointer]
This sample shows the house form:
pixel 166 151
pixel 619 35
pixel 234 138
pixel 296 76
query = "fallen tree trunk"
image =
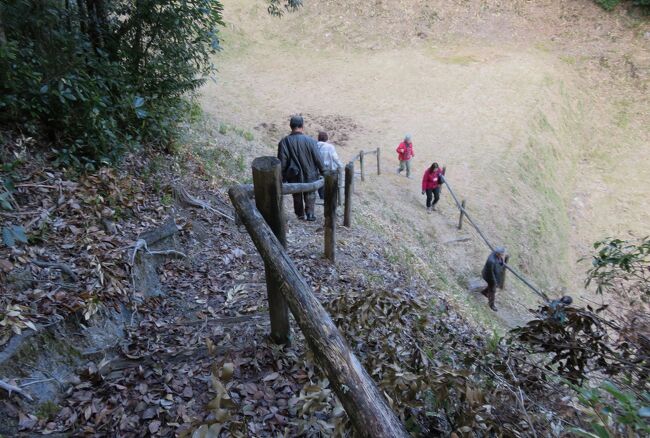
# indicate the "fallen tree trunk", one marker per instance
pixel 365 405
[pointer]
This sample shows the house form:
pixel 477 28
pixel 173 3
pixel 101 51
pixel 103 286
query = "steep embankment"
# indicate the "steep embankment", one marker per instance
pixel 522 112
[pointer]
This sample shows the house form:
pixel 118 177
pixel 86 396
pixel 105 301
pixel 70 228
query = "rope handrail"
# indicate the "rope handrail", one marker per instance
pixel 487 242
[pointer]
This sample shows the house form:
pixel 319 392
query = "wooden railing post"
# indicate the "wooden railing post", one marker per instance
pixel 341 176
pixel 267 185
pixel 331 192
pixel 367 408
pixel 349 182
pixel 378 161
pixel 462 213
pixel 363 176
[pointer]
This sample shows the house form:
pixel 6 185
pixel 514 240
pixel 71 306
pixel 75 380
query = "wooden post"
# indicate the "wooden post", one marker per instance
pixel 462 213
pixel 341 173
pixel 366 406
pixel 349 182
pixel 363 176
pixel 267 185
pixel 378 161
pixel 331 192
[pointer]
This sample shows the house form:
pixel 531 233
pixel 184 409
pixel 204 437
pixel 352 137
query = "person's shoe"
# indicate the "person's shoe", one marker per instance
pixel 429 210
pixel 399 171
pixel 311 217
pixel 433 208
pixel 493 307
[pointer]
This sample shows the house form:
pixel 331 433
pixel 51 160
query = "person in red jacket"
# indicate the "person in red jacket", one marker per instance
pixel 404 155
pixel 431 184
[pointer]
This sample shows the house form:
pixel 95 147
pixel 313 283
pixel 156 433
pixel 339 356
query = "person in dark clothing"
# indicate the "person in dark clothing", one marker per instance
pixel 431 185
pixel 493 274
pixel 301 163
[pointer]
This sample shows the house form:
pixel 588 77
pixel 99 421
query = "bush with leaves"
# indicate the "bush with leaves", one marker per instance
pixel 96 78
pixel 611 4
pixel 613 412
pixel 622 268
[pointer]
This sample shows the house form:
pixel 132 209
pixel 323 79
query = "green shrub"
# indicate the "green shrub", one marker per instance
pixel 97 82
pixel 608 4
pixel 612 412
pixel 611 4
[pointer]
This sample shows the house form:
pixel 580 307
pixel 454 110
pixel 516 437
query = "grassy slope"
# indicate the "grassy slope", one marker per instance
pixel 520 116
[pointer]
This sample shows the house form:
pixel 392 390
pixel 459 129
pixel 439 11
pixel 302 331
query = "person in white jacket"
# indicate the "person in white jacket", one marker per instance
pixel 328 156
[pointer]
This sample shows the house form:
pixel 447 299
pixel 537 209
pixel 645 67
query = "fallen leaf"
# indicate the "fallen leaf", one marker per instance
pixel 154 426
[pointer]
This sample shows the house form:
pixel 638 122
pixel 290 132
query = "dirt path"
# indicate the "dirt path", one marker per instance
pixel 514 123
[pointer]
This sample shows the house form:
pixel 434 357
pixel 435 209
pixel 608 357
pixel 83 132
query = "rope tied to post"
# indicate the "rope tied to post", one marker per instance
pixel 519 276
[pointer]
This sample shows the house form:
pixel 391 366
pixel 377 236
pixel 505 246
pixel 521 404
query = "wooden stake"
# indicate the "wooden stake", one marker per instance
pixel 378 161
pixel 363 176
pixel 462 213
pixel 349 185
pixel 331 192
pixel 267 185
pixel 341 176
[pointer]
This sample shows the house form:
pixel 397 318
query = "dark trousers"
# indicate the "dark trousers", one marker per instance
pixel 303 203
pixel 321 192
pixel 490 292
pixel 435 193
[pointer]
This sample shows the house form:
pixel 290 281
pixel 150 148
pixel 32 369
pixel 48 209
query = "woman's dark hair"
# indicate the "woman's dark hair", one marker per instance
pixel 433 167
pixel 322 136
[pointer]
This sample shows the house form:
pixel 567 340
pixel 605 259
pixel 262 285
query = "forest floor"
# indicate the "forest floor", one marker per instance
pixel 198 359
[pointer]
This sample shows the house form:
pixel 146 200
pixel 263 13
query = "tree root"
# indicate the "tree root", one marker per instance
pixel 185 198
pixel 60 266
pixel 11 388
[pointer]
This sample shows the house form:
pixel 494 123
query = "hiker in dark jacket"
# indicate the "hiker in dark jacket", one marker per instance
pixel 301 163
pixel 493 274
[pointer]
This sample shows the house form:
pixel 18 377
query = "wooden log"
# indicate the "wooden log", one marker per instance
pixel 462 213
pixel 378 161
pixel 365 405
pixel 267 186
pixel 349 183
pixel 363 176
pixel 291 188
pixel 331 192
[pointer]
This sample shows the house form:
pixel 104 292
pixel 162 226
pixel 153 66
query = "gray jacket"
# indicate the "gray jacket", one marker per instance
pixel 299 158
pixel 493 270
